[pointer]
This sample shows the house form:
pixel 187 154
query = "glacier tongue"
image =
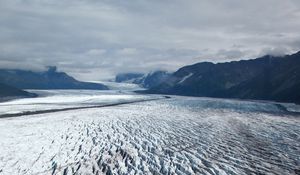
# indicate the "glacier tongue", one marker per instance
pixel 180 135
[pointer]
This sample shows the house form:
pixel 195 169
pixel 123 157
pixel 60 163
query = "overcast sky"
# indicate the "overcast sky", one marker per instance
pixel 95 39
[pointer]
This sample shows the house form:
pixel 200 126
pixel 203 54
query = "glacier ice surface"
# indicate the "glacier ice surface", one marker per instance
pixel 180 135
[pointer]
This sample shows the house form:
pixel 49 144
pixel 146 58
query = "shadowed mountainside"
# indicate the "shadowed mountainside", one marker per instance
pixel 265 78
pixel 50 79
pixel 8 91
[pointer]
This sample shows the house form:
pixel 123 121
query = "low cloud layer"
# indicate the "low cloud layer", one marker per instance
pixel 94 40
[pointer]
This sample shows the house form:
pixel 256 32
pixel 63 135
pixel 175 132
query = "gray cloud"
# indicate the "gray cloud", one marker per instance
pixel 93 39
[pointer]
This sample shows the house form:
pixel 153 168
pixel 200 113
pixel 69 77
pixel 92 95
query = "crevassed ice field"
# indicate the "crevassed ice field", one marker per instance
pixel 155 135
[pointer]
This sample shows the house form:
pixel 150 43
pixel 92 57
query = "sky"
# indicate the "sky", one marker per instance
pixel 96 39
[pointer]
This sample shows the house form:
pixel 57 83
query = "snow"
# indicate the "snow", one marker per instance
pixel 185 78
pixel 60 99
pixel 120 86
pixel 180 135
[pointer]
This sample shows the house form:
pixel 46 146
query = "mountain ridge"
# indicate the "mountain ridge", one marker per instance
pixel 50 79
pixel 264 78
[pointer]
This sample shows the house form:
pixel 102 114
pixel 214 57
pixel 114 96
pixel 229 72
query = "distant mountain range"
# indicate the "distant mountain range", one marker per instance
pixel 149 80
pixel 8 91
pixel 265 78
pixel 50 79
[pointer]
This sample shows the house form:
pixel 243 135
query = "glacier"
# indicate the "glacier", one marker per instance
pixel 177 135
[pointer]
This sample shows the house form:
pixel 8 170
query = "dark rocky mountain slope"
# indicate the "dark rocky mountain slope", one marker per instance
pixel 50 79
pixel 265 78
pixel 8 91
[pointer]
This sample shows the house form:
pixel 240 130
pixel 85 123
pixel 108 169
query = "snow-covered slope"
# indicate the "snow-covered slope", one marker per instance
pixel 181 135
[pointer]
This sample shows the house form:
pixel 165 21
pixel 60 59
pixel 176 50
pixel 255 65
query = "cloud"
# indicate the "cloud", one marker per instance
pixel 96 52
pixel 94 40
pixel 127 51
pixel 278 51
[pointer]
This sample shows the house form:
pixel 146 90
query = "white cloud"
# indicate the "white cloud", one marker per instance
pixel 96 52
pixel 96 39
pixel 127 51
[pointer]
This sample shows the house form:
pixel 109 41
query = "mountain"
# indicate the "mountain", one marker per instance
pixel 128 77
pixel 149 80
pixel 8 91
pixel 153 79
pixel 50 79
pixel 265 78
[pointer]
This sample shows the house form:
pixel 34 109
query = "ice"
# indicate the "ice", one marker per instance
pixel 120 86
pixel 60 99
pixel 180 135
pixel 291 107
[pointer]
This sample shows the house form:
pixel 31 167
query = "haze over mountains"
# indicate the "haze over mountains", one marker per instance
pixel 12 81
pixel 264 78
pixel 148 80
pixel 50 79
